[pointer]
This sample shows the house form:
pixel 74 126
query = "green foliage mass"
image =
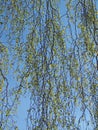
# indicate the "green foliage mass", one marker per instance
pixel 55 62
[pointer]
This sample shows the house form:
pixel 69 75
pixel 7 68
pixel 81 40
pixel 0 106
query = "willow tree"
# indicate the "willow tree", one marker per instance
pixel 55 62
pixel 83 22
pixel 12 19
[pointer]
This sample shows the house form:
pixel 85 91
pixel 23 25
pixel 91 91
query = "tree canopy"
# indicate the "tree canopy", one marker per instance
pixel 52 57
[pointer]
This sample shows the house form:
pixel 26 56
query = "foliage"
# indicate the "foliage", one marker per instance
pixel 55 63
